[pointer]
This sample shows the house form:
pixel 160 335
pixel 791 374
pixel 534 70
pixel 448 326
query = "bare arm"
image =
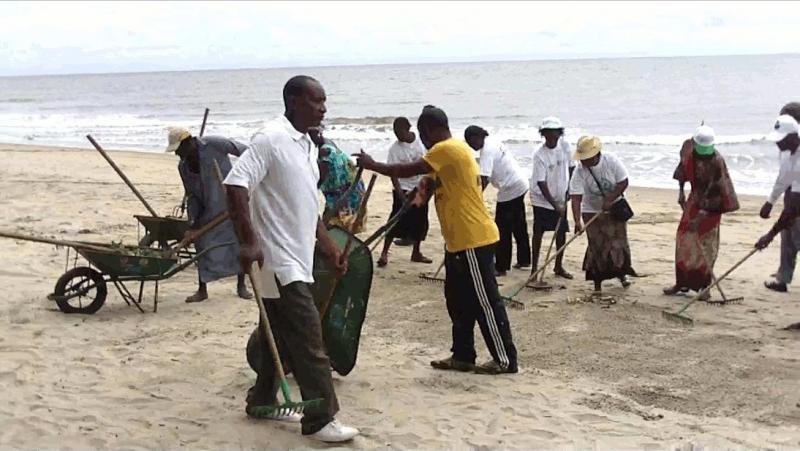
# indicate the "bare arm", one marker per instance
pixel 396 185
pixel 484 182
pixel 400 170
pixel 614 194
pixel 576 211
pixel 239 210
pixel 546 193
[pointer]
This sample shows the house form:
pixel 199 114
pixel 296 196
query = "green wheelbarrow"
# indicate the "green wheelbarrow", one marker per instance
pixel 83 289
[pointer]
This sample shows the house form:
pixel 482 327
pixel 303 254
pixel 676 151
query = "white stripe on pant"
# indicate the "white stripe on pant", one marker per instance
pixel 480 291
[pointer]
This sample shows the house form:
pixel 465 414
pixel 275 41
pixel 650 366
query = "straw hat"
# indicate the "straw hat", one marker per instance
pixel 588 146
pixel 174 137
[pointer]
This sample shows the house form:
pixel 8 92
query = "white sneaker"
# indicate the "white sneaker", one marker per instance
pixel 334 432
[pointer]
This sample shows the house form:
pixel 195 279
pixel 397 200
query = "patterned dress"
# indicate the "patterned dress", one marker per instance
pixel 712 191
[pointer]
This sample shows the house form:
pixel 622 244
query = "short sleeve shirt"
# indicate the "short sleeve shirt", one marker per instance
pixel 552 167
pixel 280 171
pixel 459 202
pixel 503 171
pixel 609 171
pixel 401 152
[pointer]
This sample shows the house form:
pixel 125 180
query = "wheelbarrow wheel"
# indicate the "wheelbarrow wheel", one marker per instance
pixel 80 290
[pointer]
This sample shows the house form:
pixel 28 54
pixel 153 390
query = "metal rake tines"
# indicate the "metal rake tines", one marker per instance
pixel 430 279
pixel 721 302
pixel 285 409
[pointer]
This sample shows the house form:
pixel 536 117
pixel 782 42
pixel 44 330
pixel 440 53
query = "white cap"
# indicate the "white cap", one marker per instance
pixel 551 123
pixel 174 137
pixel 785 125
pixel 704 135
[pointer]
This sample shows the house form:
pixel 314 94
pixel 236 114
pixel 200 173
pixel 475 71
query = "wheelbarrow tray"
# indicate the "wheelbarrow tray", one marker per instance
pixel 163 229
pixel 341 326
pixel 130 261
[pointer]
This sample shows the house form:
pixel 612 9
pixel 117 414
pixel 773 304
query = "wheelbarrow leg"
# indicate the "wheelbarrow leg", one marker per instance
pixel 155 300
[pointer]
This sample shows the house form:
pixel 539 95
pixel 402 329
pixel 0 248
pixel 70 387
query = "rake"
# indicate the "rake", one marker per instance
pixel 541 284
pixel 725 299
pixel 288 407
pixel 535 274
pixel 434 279
pixel 679 317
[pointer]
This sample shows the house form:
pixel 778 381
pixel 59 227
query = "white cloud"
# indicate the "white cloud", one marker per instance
pixel 92 36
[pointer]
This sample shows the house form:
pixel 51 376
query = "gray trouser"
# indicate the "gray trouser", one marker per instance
pixel 790 245
pixel 296 326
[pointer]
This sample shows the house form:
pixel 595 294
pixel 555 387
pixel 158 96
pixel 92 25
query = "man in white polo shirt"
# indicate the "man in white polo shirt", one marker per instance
pixel 552 168
pixel 788 184
pixel 499 167
pixel 280 172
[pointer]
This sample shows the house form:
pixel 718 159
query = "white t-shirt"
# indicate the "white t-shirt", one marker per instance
pixel 609 171
pixel 788 175
pixel 280 171
pixel 503 171
pixel 551 166
pixel 401 152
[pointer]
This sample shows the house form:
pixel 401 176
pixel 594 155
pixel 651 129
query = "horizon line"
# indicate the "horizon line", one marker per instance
pixel 410 63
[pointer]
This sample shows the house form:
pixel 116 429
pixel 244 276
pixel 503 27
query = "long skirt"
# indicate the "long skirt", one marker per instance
pixel 608 255
pixel 413 225
pixel 695 253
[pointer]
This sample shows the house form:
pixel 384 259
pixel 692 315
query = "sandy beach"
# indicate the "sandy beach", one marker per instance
pixel 593 375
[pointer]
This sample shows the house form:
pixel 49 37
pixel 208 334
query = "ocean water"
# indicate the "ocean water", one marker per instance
pixel 641 108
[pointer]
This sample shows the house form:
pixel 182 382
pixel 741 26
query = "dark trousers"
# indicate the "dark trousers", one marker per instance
pixel 296 326
pixel 471 292
pixel 511 221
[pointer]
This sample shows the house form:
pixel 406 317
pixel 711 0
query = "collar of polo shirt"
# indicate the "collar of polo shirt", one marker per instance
pixel 293 132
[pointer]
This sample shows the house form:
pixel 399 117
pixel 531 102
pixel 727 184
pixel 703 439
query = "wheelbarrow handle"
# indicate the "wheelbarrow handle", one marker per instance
pixel 217 220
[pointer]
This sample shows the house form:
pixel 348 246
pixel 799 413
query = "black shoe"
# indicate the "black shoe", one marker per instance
pixel 452 364
pixel 780 287
pixel 518 266
pixel 492 367
pixel 499 273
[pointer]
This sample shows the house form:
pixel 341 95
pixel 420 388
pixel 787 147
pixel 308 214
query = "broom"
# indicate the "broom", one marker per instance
pixel 679 317
pixel 510 297
pixel 288 407
pixel 725 299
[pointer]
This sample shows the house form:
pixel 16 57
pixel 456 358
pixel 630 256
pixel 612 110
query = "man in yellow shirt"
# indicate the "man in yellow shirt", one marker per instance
pixel 470 236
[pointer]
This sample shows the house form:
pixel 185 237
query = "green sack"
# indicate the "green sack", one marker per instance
pixel 341 326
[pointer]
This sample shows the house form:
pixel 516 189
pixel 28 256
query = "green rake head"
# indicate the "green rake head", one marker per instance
pixel 279 410
pixel 288 407
pixel 511 303
pixel 677 318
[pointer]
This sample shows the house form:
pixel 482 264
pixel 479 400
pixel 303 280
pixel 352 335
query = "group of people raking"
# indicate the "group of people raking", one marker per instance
pixel 272 194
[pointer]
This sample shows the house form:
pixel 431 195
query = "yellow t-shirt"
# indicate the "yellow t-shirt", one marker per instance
pixel 459 203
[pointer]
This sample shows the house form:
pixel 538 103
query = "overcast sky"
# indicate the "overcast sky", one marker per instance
pixel 77 37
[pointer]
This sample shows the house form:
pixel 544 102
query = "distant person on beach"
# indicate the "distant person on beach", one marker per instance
pixel 596 185
pixel 552 169
pixel 499 167
pixel 712 195
pixel 413 225
pixel 337 175
pixel 470 236
pixel 279 174
pixel 788 184
pixel 204 201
